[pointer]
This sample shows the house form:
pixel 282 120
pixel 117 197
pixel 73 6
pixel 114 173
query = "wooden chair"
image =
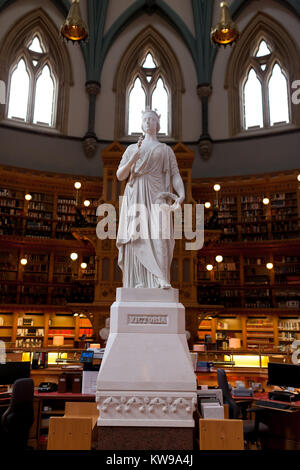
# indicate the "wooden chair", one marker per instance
pixel 76 430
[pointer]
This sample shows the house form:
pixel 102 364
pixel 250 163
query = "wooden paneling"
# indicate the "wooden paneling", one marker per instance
pixel 221 434
pixel 70 433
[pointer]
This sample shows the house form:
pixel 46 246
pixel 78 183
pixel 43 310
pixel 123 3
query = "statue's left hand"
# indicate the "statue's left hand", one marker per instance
pixel 177 203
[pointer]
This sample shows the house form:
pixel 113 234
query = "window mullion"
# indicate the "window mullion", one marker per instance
pixel 266 103
pixel 32 88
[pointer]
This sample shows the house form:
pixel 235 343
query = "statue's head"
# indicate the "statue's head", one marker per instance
pixel 152 114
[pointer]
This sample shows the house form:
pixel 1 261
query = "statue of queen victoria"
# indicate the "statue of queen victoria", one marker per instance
pixel 153 175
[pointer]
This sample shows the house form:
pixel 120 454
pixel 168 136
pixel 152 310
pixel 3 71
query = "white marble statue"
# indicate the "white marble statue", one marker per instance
pixel 152 169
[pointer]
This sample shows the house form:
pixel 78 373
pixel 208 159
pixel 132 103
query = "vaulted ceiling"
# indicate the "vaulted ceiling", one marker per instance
pixel 199 44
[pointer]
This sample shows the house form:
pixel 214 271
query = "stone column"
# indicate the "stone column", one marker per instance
pixel 205 146
pixel 90 138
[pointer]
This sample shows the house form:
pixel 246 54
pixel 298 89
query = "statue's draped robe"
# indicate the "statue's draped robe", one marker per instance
pixel 145 260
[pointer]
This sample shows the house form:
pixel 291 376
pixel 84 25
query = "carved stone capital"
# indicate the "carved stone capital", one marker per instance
pixel 90 145
pixel 205 148
pixel 204 90
pixel 93 88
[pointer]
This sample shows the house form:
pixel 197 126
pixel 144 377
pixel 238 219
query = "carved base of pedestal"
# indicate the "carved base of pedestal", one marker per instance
pixel 144 438
pixel 149 409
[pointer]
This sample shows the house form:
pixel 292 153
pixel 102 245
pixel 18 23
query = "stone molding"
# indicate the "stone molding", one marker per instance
pixel 143 409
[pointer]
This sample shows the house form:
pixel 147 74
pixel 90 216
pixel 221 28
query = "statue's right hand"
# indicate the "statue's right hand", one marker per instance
pixel 140 140
pixel 135 157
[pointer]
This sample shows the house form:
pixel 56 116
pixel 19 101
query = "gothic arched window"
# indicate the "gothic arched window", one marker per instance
pixel 260 72
pixel 265 95
pixel 38 73
pixel 148 88
pixel 32 90
pixel 148 75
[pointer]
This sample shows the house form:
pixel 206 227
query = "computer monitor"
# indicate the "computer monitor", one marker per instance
pixel 284 375
pixel 12 371
pixel 87 356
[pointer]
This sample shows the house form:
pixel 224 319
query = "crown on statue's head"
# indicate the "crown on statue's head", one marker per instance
pixel 149 110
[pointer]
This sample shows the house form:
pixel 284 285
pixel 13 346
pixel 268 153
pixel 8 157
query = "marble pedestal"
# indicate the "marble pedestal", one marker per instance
pixel 146 377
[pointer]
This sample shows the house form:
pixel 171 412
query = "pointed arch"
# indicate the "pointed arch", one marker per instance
pixel 285 52
pixel 38 23
pixel 148 40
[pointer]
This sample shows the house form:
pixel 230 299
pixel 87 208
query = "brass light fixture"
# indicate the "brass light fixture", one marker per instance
pixel 225 32
pixel 74 28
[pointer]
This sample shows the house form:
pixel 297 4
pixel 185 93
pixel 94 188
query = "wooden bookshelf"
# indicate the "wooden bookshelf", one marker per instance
pixel 44 230
pixel 6 326
pixel 65 217
pixel 241 214
pixel 228 217
pixel 39 215
pixel 11 211
pixel 89 212
pixel 267 330
pixel 284 213
pixel 254 217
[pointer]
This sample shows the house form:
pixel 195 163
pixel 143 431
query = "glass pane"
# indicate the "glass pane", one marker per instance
pixel 43 106
pixel 137 104
pixel 35 45
pixel 263 66
pixel 278 97
pixel 34 62
pixel 263 49
pixel 19 90
pixel 160 102
pixel 253 110
pixel 149 62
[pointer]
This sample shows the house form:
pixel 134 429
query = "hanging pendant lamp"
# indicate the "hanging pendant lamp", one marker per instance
pixel 74 28
pixel 225 32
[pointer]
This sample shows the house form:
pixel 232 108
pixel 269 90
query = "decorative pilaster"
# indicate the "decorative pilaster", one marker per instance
pixel 90 139
pixel 205 146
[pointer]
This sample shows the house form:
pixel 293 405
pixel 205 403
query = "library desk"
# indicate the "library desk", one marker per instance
pixel 257 397
pixel 49 374
pixel 246 374
pixel 284 425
